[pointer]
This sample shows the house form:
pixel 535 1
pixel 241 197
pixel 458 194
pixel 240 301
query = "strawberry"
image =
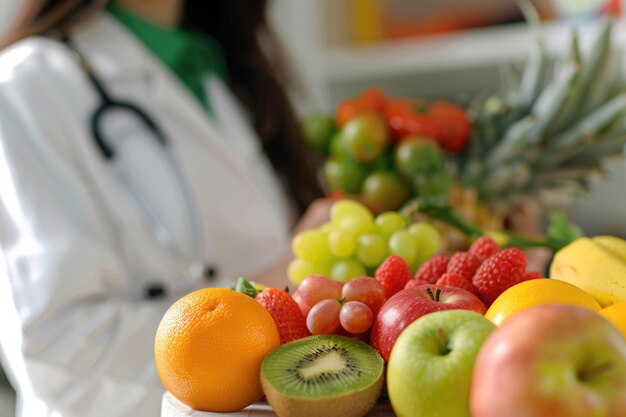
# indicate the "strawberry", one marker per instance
pixel 463 263
pixel 452 279
pixel 484 247
pixel 393 273
pixel 414 283
pixel 285 312
pixel 433 269
pixel 501 271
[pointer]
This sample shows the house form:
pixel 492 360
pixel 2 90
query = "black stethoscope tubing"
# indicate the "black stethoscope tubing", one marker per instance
pixel 194 269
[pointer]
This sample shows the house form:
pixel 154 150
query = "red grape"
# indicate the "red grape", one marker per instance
pixel 315 288
pixel 303 307
pixel 355 317
pixel 366 290
pixel 324 317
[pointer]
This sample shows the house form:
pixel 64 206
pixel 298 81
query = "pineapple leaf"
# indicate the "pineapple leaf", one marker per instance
pixel 560 231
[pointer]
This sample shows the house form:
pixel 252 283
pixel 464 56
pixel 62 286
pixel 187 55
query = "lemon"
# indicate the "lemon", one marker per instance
pixel 616 314
pixel 535 292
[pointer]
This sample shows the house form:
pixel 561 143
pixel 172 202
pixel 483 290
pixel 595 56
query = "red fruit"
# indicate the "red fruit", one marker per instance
pixel 433 269
pixel 347 110
pixel 408 305
pixel 315 288
pixel 501 271
pixel 393 273
pixel 414 283
pixel 355 317
pixel 464 263
pixel 452 279
pixel 366 290
pixel 454 125
pixel 304 307
pixel 414 124
pixel 285 312
pixel 532 275
pixel 324 317
pixel 373 99
pixel 484 247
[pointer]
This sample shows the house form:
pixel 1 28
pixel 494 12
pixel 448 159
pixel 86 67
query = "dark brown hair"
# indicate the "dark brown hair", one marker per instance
pixel 256 67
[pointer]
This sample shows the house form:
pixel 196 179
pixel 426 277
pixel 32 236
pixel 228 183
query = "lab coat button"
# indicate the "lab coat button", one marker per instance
pixel 154 291
pixel 210 272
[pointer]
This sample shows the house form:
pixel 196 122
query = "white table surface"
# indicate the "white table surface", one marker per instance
pixel 171 407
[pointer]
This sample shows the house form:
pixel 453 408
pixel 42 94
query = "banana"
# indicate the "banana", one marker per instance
pixel 613 244
pixel 596 265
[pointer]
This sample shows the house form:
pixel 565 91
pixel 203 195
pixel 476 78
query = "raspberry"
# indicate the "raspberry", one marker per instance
pixel 464 263
pixel 414 283
pixel 452 279
pixel 532 275
pixel 433 268
pixel 393 273
pixel 501 271
pixel 483 248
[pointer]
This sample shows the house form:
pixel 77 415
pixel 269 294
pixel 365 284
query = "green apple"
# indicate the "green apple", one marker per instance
pixel 430 367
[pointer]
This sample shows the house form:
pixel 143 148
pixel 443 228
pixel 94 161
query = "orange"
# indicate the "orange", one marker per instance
pixel 209 348
pixel 535 292
pixel 616 314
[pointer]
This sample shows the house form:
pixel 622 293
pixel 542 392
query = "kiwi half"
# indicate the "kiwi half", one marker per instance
pixel 322 376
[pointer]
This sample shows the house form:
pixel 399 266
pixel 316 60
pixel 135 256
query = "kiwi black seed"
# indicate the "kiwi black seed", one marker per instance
pixel 323 376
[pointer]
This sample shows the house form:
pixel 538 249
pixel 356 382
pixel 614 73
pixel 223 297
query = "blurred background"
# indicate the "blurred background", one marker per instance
pixel 452 49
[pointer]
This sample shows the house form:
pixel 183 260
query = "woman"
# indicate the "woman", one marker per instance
pixel 105 221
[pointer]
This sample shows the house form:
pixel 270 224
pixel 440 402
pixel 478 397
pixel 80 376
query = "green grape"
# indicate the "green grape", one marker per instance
pixel 299 269
pixel 327 227
pixel 384 190
pixel 349 209
pixel 346 269
pixel 324 267
pixel 344 175
pixel 389 222
pixel 403 244
pixel 433 184
pixel 311 245
pixel 317 131
pixel 371 250
pixel 341 243
pixel 428 239
pixel 356 225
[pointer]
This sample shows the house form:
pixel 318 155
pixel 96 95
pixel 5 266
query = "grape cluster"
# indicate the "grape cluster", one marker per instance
pixel 386 150
pixel 354 243
pixel 332 307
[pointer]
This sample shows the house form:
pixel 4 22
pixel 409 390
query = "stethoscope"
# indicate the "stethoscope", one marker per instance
pixel 193 269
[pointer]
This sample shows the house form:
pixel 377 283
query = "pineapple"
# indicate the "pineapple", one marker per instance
pixel 543 138
pixel 538 142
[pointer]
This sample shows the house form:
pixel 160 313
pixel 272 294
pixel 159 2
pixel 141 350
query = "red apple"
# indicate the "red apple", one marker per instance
pixel 410 304
pixel 551 360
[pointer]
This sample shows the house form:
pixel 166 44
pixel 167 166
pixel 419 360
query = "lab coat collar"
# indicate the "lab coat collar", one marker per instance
pixel 110 49
pixel 115 55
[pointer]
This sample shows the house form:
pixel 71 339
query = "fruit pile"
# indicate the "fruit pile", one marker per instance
pixel 461 328
pixel 385 151
pixel 355 243
pixel 537 141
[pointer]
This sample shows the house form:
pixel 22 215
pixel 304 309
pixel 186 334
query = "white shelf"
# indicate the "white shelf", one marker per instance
pixel 462 50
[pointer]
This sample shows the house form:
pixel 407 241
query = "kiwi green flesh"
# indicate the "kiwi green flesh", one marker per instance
pixel 320 367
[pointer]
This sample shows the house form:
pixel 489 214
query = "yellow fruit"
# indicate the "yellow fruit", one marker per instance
pixel 597 265
pixel 535 292
pixel 209 348
pixel 616 314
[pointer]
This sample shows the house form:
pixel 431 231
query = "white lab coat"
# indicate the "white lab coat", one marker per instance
pixel 76 327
